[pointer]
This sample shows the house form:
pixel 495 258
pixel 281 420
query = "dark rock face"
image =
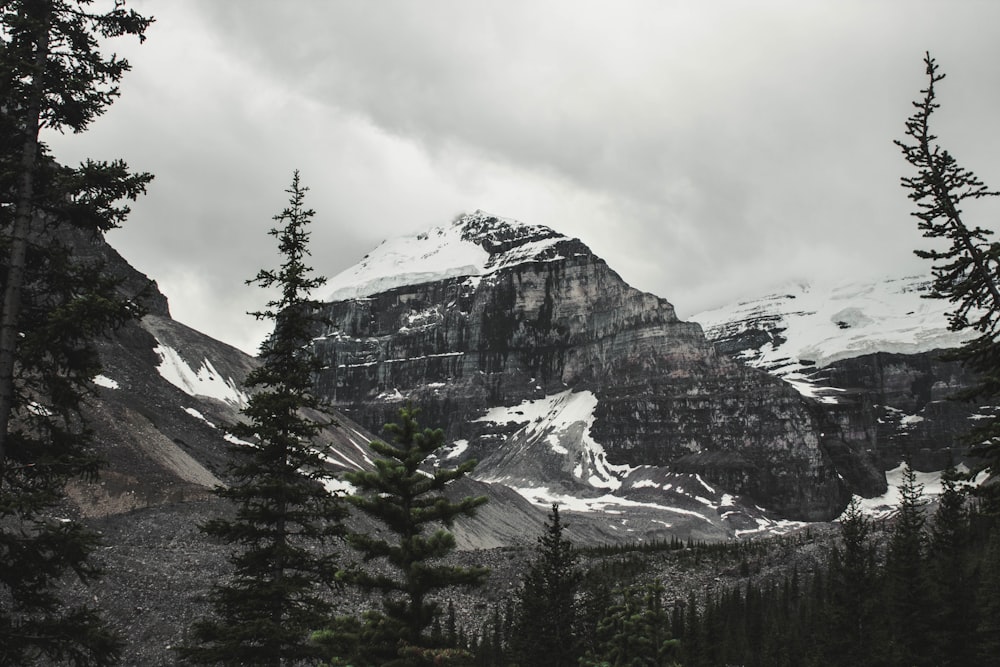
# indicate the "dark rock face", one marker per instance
pixel 559 319
pixel 133 284
pixel 901 406
pixel 885 391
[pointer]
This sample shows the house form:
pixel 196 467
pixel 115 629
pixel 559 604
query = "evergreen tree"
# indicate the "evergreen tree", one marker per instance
pixel 987 620
pixel 54 306
pixel 634 632
pixel 406 498
pixel 953 605
pixel 907 585
pixel 547 606
pixel 265 613
pixel 855 634
pixel 967 273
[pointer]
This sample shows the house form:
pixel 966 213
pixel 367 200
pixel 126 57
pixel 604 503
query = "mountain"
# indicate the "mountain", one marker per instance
pixel 567 384
pixel 537 359
pixel 870 353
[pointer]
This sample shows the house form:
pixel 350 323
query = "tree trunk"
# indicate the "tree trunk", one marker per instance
pixel 24 209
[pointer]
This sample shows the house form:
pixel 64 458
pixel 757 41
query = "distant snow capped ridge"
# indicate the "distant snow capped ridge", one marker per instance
pixel 811 326
pixel 474 244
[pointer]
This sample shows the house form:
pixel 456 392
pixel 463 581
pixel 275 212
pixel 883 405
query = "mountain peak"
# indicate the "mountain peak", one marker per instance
pixel 497 235
pixel 473 244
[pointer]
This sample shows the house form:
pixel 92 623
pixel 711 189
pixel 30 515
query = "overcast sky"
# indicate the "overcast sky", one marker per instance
pixel 708 150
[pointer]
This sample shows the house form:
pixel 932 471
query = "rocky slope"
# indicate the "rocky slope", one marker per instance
pixel 870 353
pixel 491 325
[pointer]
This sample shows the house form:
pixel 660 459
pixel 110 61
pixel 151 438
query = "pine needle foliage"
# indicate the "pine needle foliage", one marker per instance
pixel 406 496
pixel 548 606
pixel 967 272
pixel 54 306
pixel 285 517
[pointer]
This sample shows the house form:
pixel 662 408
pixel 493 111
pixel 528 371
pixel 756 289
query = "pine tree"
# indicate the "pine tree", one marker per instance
pixel 406 498
pixel 635 631
pixel 285 517
pixel 967 273
pixel 52 75
pixel 855 633
pixel 986 622
pixel 907 585
pixel 953 605
pixel 547 605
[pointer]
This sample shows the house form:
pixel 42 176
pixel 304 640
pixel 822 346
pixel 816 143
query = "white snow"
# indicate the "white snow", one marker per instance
pixel 607 504
pixel 823 324
pixel 105 381
pixel 556 414
pixel 339 486
pixel 888 502
pixel 457 449
pixel 206 381
pixel 437 254
pixel 771 527
pixel 197 415
pixel 232 439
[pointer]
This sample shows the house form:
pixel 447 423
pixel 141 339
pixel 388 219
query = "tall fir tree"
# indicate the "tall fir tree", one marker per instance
pixel 548 608
pixel 283 570
pixel 634 631
pixel 953 608
pixel 855 627
pixel 52 75
pixel 407 496
pixel 907 584
pixel 986 623
pixel 967 272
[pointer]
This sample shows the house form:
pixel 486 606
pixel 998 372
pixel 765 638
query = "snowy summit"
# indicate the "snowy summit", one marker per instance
pixel 817 325
pixel 475 244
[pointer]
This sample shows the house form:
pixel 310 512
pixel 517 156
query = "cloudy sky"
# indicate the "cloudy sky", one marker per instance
pixel 707 150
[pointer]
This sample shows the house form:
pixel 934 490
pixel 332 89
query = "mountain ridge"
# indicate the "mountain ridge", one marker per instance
pixel 541 314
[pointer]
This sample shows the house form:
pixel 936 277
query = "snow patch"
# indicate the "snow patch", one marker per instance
pixel 551 416
pixel 887 503
pixel 607 504
pixel 106 382
pixel 197 415
pixel 206 381
pixel 232 439
pixel 457 449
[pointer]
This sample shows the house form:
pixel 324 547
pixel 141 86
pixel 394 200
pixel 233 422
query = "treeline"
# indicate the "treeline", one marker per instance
pixel 930 597
pixel 924 591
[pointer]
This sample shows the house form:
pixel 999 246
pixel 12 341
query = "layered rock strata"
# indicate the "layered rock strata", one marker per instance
pixel 516 313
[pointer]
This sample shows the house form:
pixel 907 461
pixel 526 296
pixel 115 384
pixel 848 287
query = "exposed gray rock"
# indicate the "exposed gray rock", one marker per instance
pixel 541 314
pixel 872 354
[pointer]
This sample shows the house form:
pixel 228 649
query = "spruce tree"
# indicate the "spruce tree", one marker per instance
pixel 967 272
pixel 907 584
pixel 285 517
pixel 953 608
pixel 408 498
pixel 986 622
pixel 546 633
pixel 855 634
pixel 634 631
pixel 52 75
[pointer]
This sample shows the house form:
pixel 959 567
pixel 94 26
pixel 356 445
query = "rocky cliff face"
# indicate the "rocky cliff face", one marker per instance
pixel 870 353
pixel 488 313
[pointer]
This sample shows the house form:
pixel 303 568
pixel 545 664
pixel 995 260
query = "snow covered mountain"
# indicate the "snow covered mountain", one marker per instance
pixel 870 352
pixel 802 328
pixel 567 383
pixel 471 247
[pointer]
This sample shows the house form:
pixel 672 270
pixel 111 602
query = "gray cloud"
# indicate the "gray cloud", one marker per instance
pixel 706 150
